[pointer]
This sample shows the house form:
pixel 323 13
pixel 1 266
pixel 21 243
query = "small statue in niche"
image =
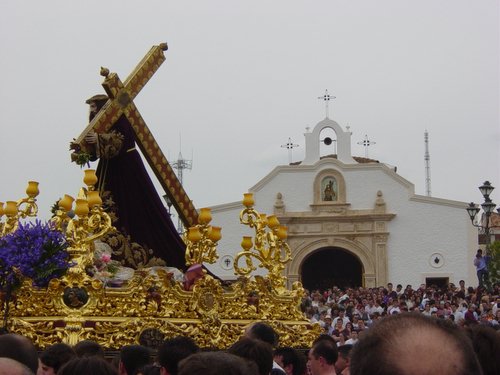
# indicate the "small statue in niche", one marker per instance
pixel 329 192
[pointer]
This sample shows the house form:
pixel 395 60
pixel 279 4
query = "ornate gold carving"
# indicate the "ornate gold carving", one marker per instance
pixel 15 210
pixel 201 240
pixel 269 246
pixel 77 307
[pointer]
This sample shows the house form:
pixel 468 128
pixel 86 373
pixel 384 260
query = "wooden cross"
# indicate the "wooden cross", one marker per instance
pixel 120 102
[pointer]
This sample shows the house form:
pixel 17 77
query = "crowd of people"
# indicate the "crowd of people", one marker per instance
pixel 450 330
pixel 358 308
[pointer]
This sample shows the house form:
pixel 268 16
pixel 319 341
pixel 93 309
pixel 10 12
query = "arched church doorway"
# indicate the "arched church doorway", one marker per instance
pixel 331 266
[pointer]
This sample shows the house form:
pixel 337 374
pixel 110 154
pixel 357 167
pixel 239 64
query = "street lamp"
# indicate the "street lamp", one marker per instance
pixel 168 202
pixel 488 207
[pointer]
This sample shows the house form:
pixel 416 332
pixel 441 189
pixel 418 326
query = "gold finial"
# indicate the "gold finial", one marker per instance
pixel 104 72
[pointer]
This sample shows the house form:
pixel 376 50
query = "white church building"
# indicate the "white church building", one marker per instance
pixel 354 221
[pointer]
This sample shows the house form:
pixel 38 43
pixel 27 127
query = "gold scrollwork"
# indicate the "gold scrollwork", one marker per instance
pixel 269 246
pixel 15 210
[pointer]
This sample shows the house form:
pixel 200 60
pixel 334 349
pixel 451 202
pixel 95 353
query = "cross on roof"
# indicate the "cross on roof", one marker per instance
pixel 326 98
pixel 121 96
pixel 290 146
pixel 366 143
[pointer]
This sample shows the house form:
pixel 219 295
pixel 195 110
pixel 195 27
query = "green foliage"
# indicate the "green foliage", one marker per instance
pixel 494 263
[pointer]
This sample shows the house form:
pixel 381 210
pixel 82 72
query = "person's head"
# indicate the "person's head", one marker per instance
pixel 54 357
pixel 254 350
pixel 344 358
pixel 392 343
pixel 290 360
pixel 216 363
pixel 20 349
pixel 8 366
pixel 324 337
pixel 88 348
pixel 193 274
pixel 152 369
pixel 132 358
pixel 94 365
pixel 174 350
pixel 486 344
pixel 389 287
pixel 95 104
pixel 263 332
pixel 322 357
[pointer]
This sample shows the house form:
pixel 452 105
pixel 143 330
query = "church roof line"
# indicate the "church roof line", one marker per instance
pixel 359 159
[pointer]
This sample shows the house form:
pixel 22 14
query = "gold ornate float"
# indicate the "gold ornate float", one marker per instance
pixel 153 306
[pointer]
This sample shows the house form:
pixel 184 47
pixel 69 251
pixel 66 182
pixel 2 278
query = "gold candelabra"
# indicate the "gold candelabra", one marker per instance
pixel 269 246
pixel 20 209
pixel 201 240
pixel 83 224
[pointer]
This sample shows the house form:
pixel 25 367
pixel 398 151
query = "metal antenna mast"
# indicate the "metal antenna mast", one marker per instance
pixel 427 159
pixel 180 165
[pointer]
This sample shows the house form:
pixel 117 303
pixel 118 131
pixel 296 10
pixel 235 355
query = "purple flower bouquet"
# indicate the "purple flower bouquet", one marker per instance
pixel 35 250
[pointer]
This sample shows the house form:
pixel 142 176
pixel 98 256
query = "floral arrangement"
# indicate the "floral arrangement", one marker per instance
pixel 79 156
pixel 35 250
pixel 104 267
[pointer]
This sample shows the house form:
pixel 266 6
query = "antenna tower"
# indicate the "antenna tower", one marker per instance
pixel 427 159
pixel 180 165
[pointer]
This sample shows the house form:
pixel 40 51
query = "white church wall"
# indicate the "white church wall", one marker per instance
pixel 422 231
pixel 423 228
pixel 363 184
pixel 293 184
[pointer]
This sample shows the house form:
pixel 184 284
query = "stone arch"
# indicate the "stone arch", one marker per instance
pixel 313 142
pixel 330 266
pixel 318 186
pixel 365 256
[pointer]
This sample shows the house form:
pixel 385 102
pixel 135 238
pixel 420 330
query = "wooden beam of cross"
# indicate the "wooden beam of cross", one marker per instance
pixel 121 96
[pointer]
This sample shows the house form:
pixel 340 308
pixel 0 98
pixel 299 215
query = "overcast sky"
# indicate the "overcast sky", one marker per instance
pixel 241 77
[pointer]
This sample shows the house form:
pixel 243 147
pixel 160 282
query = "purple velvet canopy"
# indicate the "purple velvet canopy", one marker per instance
pixel 141 213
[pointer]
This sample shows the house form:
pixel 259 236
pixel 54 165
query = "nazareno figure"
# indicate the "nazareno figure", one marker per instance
pixel 147 236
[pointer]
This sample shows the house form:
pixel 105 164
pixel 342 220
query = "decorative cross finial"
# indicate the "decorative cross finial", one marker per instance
pixel 289 146
pixel 366 143
pixel 326 98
